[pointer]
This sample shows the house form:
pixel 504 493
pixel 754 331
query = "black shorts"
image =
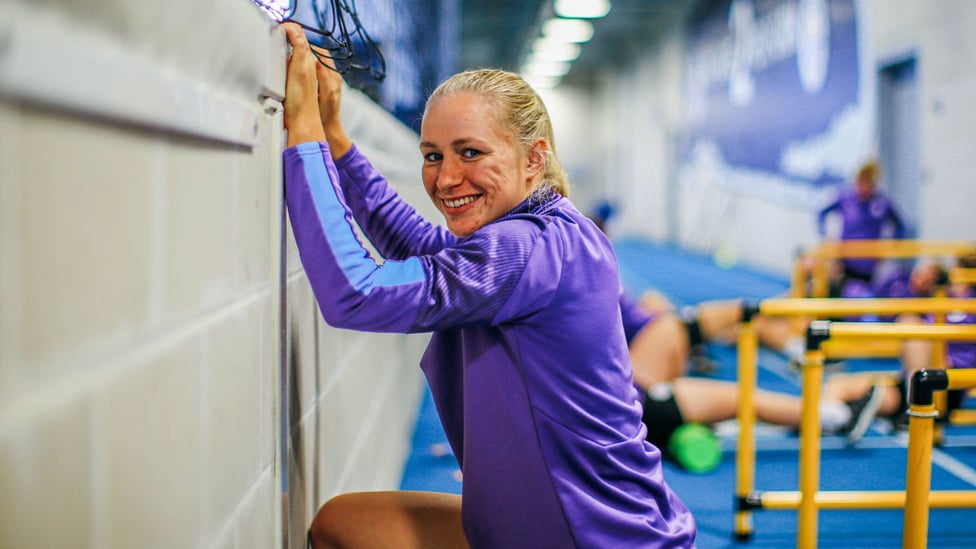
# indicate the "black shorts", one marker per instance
pixel 662 418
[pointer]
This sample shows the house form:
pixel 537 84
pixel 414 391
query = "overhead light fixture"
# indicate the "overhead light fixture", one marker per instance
pixel 279 10
pixel 568 30
pixel 542 82
pixel 548 49
pixel 584 9
pixel 546 68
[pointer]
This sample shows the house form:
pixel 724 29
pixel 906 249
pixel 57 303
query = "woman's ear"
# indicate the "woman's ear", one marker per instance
pixel 536 159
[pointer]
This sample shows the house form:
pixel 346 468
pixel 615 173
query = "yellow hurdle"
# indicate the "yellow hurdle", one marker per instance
pixel 810 448
pixel 868 334
pixel 823 252
pixel 875 499
pixel 918 480
pixel 892 248
pixel 748 345
pixel 959 275
pixel 810 443
pixel 882 348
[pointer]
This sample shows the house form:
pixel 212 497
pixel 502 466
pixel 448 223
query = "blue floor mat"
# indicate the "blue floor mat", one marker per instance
pixel 687 277
pixel 431 465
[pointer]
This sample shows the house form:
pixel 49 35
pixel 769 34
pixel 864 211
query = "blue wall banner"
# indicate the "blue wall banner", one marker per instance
pixel 778 101
pixel 417 40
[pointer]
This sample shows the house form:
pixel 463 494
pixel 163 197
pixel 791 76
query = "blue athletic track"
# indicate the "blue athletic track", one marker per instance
pixel 877 463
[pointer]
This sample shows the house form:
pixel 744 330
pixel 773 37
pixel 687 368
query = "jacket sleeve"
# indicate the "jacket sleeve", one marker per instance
pixel 391 224
pixel 634 318
pixel 466 284
pixel 899 228
pixel 823 213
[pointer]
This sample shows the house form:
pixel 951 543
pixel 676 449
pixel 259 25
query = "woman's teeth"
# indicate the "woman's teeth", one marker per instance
pixel 457 203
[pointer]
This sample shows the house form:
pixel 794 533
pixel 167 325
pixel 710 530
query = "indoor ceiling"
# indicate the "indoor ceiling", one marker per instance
pixel 497 33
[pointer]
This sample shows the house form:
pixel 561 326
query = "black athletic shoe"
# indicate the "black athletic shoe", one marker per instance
pixel 831 365
pixel 899 423
pixel 863 412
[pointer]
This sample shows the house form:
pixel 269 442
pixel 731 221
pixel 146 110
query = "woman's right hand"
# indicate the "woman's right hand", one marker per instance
pixel 330 99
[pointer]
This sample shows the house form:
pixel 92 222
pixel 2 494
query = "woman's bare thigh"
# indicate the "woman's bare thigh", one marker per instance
pixel 394 519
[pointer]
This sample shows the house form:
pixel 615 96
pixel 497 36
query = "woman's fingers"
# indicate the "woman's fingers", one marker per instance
pixel 301 54
pixel 330 90
pixel 326 73
pixel 295 34
pixel 301 89
pixel 325 57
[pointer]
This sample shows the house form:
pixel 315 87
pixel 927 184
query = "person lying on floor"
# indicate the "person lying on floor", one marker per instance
pixel 850 402
pixel 719 320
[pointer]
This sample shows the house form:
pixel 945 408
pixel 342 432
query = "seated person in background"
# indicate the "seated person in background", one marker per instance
pixel 658 345
pixel 850 401
pixel 863 212
pixel 895 280
pixel 920 280
pixel 917 354
pixel 719 320
pixel 664 343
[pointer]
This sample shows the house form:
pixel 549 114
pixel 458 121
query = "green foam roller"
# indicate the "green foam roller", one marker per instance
pixel 695 447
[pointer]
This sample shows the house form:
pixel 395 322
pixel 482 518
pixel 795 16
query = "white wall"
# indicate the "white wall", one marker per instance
pixel 940 34
pixel 165 378
pixel 576 139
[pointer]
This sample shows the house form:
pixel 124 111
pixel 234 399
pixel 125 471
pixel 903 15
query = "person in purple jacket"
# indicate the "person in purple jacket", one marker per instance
pixel 527 361
pixel 865 213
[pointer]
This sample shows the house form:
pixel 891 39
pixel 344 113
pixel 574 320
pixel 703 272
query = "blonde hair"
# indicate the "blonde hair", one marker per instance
pixel 522 110
pixel 869 171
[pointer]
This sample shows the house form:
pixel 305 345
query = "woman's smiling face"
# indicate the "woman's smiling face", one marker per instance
pixel 474 170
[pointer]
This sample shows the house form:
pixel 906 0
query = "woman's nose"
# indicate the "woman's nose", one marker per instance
pixel 451 174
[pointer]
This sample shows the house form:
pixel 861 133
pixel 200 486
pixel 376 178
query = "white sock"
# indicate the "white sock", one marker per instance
pixel 795 347
pixel 834 415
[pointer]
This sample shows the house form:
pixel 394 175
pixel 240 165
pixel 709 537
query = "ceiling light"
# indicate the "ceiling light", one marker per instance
pixel 568 30
pixel 542 82
pixel 587 9
pixel 546 68
pixel 547 49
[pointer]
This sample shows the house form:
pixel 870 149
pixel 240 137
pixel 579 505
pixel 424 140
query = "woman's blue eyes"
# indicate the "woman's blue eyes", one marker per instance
pixel 465 153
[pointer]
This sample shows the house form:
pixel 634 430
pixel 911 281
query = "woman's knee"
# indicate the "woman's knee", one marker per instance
pixel 660 351
pixel 327 530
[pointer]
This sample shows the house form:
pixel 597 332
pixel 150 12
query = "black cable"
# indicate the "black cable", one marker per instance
pixel 334 40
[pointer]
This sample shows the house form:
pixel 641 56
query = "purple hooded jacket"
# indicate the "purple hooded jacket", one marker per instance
pixel 528 363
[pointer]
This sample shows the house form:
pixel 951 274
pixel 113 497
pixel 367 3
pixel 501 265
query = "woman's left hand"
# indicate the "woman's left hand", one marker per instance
pixel 301 90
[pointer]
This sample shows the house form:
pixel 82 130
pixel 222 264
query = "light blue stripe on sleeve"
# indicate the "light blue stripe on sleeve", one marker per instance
pixel 397 273
pixel 360 270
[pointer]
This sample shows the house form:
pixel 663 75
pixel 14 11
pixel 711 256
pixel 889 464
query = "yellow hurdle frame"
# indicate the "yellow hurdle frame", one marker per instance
pixel 959 275
pixel 921 420
pixel 808 500
pixel 820 254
